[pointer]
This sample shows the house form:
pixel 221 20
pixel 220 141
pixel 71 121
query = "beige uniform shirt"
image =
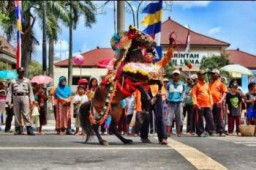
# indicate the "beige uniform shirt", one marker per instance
pixel 20 86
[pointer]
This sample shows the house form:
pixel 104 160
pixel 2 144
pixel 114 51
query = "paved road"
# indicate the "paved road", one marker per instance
pixel 69 152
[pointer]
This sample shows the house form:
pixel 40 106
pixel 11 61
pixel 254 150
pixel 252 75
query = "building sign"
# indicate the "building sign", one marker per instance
pixel 194 57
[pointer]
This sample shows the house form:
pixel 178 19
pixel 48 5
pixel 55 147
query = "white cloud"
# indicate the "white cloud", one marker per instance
pixel 214 30
pixel 191 4
pixel 61 45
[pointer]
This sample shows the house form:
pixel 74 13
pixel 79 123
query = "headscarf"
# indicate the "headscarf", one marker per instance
pixel 62 91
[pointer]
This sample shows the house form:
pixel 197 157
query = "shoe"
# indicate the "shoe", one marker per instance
pixel 164 142
pixel 203 135
pixel 145 140
pixel 222 135
pixel 213 134
pixel 69 132
pixel 30 131
pixel 17 131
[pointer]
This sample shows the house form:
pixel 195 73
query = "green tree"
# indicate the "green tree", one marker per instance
pixel 5 66
pixel 32 10
pixel 76 10
pixel 34 69
pixel 215 62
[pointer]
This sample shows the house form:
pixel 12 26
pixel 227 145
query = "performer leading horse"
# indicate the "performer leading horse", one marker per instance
pixel 131 71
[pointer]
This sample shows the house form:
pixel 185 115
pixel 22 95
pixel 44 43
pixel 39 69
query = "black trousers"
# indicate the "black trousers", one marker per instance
pixel 205 112
pixel 9 116
pixel 218 118
pixel 159 120
pixel 190 118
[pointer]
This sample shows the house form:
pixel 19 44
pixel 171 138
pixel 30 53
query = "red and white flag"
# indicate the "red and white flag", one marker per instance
pixel 187 49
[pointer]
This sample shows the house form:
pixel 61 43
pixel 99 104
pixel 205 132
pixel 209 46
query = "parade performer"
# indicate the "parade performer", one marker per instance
pixel 132 70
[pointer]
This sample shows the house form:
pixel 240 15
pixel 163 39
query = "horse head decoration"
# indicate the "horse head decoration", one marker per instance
pixel 129 73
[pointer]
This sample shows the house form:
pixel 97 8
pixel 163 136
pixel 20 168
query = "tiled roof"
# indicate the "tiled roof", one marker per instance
pixel 6 47
pixel 239 57
pixel 91 58
pixel 181 32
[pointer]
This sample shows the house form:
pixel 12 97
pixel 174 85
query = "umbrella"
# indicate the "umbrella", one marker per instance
pixel 41 79
pixel 8 74
pixel 107 63
pixel 237 69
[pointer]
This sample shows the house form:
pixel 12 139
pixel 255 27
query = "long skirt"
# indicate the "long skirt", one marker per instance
pixel 63 116
pixel 42 116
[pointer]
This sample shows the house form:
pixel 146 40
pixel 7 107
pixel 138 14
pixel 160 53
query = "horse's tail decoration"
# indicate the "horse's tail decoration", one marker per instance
pixel 84 120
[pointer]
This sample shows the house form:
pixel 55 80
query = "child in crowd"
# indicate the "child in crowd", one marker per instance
pixel 234 106
pixel 251 102
pixel 35 115
pixel 79 98
pixel 130 106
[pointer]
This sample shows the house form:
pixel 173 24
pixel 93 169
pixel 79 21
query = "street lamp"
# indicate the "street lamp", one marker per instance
pixel 133 13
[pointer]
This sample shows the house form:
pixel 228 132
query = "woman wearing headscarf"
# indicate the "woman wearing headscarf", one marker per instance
pixel 63 113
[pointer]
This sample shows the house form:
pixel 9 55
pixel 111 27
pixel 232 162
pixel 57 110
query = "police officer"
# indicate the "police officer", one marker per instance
pixel 21 93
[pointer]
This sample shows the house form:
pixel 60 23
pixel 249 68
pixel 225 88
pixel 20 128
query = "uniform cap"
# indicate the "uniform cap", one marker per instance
pixel 20 69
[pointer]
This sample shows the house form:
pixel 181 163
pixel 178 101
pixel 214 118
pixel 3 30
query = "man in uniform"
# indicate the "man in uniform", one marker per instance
pixel 21 94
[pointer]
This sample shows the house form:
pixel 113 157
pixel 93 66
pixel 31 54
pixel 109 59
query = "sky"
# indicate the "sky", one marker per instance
pixel 231 21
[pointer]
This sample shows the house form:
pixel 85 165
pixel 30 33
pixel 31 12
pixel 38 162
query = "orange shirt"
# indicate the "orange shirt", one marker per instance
pixel 201 95
pixel 162 63
pixel 52 93
pixel 138 104
pixel 153 88
pixel 218 90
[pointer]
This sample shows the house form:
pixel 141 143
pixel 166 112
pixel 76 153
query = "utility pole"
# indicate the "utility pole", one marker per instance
pixel 120 16
pixel 44 40
pixel 70 66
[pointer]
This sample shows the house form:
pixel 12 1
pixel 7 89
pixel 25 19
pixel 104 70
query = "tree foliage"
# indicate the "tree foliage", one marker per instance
pixel 5 66
pixel 209 63
pixel 34 69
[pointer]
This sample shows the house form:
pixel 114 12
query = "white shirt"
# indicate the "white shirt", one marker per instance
pixel 80 99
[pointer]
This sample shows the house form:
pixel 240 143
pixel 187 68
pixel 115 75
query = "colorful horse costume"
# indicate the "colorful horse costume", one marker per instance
pixel 129 73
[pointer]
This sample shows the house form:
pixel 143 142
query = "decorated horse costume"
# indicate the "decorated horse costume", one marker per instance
pixel 129 73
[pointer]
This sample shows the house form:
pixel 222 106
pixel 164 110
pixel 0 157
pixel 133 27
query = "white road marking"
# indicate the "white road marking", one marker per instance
pixel 84 148
pixel 244 142
pixel 250 145
pixel 194 156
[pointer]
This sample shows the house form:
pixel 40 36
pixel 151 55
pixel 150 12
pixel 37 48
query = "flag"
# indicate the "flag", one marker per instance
pixel 187 49
pixel 19 20
pixel 153 22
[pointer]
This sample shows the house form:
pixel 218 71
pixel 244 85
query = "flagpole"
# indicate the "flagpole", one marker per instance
pixel 20 34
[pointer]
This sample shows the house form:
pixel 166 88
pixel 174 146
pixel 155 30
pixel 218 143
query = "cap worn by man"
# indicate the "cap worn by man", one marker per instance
pixel 233 85
pixel 215 71
pixel 201 72
pixel 175 72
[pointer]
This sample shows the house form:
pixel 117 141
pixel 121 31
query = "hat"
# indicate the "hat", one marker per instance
pixel 20 69
pixel 82 81
pixel 215 71
pixel 201 72
pixel 82 87
pixel 165 80
pixel 176 72
pixel 193 76
pixel 233 85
